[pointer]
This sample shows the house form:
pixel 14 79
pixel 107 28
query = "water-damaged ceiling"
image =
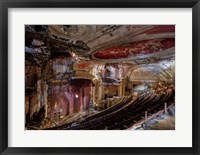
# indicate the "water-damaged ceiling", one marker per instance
pixel 135 44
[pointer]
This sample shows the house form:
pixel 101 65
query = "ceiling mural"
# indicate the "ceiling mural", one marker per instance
pixel 82 65
pixel 139 48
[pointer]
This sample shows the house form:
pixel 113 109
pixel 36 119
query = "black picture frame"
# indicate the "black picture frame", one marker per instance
pixel 6 4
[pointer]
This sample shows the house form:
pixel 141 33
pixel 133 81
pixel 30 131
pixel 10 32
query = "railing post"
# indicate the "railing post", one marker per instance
pixel 165 110
pixel 145 120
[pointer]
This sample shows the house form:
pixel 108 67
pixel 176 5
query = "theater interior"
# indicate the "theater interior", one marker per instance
pixel 99 77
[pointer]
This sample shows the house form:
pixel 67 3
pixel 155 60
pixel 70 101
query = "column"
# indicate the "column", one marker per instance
pixel 42 95
pixel 124 90
pixel 120 90
pixel 100 92
pixel 29 107
pixel 124 83
pixel 39 94
pixel 45 92
pixel 94 95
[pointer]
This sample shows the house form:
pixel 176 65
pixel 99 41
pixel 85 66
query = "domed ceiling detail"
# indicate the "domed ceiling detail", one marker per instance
pixel 136 44
pixel 135 49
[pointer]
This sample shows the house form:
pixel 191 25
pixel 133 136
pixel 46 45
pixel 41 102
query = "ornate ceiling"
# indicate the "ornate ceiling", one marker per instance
pixel 88 44
pixel 136 49
pixel 102 36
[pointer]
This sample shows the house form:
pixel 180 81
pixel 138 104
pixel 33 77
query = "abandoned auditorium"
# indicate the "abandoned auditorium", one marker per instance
pixel 99 77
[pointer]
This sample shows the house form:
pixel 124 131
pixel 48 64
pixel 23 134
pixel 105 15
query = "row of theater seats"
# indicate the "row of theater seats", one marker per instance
pixel 120 104
pixel 106 113
pixel 135 113
pixel 126 114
